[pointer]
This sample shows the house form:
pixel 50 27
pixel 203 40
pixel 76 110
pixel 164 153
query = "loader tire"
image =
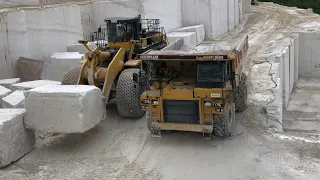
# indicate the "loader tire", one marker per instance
pixel 70 77
pixel 128 95
pixel 224 125
pixel 242 94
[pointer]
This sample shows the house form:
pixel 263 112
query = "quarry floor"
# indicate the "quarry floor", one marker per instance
pixel 123 148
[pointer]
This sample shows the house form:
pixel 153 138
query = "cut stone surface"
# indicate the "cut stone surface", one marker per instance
pixel 176 45
pixel 80 48
pixel 198 29
pixel 63 108
pixel 29 69
pixel 32 84
pixel 189 38
pixel 61 62
pixel 15 140
pixel 3 93
pixel 14 100
pixel 8 82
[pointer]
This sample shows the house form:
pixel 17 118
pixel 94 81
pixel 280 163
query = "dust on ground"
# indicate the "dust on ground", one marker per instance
pixel 123 148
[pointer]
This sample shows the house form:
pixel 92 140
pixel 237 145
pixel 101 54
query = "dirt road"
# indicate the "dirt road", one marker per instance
pixel 123 149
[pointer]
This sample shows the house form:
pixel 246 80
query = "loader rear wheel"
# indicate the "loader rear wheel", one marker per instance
pixel 242 94
pixel 128 95
pixel 70 77
pixel 225 124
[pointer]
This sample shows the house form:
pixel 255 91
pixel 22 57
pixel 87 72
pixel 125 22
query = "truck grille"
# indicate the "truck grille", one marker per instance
pixel 181 111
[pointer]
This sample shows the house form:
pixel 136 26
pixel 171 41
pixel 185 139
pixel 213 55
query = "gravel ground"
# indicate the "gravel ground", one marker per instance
pixel 123 148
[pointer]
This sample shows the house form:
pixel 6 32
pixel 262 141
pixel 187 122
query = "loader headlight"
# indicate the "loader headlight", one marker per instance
pixel 219 110
pixel 207 104
pixel 155 102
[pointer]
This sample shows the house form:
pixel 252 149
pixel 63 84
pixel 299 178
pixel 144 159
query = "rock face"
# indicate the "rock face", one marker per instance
pixel 14 100
pixel 63 108
pixel 3 93
pixel 29 69
pixel 8 82
pixel 32 84
pixel 15 140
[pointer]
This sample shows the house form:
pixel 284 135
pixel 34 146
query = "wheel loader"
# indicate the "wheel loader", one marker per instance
pixel 111 65
pixel 197 91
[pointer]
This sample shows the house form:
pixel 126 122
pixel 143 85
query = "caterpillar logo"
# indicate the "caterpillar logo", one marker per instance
pixel 149 57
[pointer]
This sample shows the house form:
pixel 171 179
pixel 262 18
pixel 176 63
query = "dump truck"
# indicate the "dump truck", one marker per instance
pixel 111 65
pixel 197 90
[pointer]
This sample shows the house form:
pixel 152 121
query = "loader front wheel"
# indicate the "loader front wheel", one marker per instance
pixel 128 95
pixel 225 124
pixel 71 76
pixel 242 94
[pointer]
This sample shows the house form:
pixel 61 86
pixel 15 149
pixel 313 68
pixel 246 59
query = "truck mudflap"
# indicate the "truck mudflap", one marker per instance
pixel 183 127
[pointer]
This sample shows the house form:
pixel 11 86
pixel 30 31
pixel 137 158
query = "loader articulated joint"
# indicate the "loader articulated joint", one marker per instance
pixel 139 77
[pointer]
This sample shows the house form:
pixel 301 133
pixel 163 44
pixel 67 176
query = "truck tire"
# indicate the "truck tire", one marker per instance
pixel 71 76
pixel 242 94
pixel 225 124
pixel 128 95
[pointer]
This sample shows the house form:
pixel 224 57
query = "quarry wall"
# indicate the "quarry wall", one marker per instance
pixel 38 32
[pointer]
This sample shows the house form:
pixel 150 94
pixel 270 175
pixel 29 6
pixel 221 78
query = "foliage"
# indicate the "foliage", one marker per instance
pixel 304 4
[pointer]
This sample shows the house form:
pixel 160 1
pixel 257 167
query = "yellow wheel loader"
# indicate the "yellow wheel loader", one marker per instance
pixel 111 65
pixel 196 91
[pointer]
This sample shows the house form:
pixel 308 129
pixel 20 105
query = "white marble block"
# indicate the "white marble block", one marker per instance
pixel 3 93
pixel 32 84
pixel 8 82
pixel 14 100
pixel 189 38
pixel 80 48
pixel 198 29
pixel 63 108
pixel 15 140
pixel 60 63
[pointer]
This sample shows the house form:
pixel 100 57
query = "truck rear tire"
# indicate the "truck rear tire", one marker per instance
pixel 128 95
pixel 242 94
pixel 71 76
pixel 225 124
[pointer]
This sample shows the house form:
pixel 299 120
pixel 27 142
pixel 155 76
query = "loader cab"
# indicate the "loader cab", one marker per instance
pixel 123 29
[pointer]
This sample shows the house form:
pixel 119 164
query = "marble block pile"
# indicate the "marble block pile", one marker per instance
pixel 60 63
pixel 32 84
pixel 47 106
pixel 13 100
pixel 3 93
pixel 198 29
pixel 191 36
pixel 15 139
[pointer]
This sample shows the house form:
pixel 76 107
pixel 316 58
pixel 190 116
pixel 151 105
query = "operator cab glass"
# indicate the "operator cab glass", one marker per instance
pixel 211 74
pixel 118 32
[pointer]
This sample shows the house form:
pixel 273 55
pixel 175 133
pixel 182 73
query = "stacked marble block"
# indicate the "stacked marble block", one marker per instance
pixel 15 139
pixel 191 35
